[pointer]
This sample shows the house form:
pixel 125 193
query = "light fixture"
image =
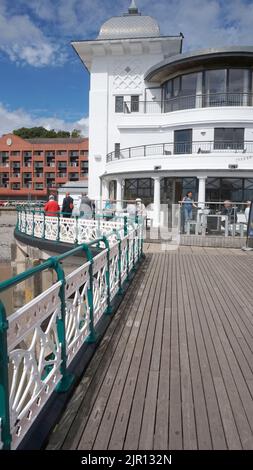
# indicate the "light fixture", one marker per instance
pixel 233 167
pixel 203 133
pixel 157 168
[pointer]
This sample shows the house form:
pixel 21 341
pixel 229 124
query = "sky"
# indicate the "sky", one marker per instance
pixel 42 80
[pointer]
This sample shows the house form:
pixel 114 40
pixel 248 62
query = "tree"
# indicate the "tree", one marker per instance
pixel 38 132
pixel 76 133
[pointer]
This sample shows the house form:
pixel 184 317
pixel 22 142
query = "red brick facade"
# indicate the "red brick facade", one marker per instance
pixel 35 167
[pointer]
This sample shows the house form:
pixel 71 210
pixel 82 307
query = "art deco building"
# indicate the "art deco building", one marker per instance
pixel 163 122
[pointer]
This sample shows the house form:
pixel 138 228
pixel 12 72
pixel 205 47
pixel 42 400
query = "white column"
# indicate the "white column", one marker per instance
pixel 202 191
pixel 105 190
pixel 157 196
pixel 119 194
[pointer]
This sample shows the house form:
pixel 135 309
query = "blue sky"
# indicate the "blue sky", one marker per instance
pixel 42 80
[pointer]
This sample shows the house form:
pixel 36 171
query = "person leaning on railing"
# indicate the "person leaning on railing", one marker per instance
pixel 52 207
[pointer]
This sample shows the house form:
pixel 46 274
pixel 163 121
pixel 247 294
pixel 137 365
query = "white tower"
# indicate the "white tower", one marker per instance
pixel 126 47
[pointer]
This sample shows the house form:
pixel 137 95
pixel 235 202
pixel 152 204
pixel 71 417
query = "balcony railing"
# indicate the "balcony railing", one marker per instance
pixel 188 102
pixel 196 147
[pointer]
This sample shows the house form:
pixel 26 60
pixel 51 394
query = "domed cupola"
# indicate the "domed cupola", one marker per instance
pixel 130 25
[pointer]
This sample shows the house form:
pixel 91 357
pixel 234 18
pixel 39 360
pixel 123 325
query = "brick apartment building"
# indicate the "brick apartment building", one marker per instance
pixel 34 167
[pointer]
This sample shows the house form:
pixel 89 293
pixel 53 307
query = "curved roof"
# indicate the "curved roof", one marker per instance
pixel 129 26
pixel 226 56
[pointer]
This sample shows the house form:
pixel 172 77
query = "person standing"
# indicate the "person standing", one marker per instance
pixel 188 205
pixel 86 207
pixel 52 207
pixel 67 206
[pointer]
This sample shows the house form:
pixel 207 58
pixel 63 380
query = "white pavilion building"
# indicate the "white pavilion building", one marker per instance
pixel 162 122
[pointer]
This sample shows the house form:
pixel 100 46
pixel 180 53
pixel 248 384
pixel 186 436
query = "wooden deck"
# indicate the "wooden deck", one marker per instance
pixel 175 368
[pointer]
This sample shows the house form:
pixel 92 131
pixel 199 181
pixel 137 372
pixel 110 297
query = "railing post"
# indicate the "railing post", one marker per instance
pixel 92 335
pixel 138 238
pixel 58 227
pixel 44 225
pixel 33 213
pixel 67 379
pixel 5 429
pixel 127 256
pixel 107 274
pixel 125 226
pixel 120 291
pixel 76 225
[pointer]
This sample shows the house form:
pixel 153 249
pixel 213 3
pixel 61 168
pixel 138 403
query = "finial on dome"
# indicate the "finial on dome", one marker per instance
pixel 133 10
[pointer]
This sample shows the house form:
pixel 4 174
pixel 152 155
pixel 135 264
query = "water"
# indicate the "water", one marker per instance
pixel 7 225
pixel 7 296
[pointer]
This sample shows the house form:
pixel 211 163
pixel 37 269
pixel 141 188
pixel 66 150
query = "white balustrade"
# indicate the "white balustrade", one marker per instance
pixel 34 359
pixel 34 347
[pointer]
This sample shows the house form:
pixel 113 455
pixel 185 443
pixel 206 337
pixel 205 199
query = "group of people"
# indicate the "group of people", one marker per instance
pixel 228 210
pixel 85 209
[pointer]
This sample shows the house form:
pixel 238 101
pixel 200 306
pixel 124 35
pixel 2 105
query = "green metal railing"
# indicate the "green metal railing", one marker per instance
pixel 55 263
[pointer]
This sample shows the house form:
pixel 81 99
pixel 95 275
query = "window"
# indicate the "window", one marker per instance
pixel 15 152
pixel 119 104
pixel 228 138
pixel 117 150
pixel 141 187
pixel 134 103
pixel 183 141
pixel 248 189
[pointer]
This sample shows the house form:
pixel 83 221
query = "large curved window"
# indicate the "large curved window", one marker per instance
pixel 214 87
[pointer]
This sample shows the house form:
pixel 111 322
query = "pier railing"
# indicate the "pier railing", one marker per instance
pixel 59 228
pixel 40 340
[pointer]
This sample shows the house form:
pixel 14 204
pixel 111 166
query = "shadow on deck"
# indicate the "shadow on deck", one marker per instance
pixel 175 367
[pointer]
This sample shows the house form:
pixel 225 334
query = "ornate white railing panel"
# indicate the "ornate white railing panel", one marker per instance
pixel 67 228
pixel 34 359
pixel 123 259
pixel 23 222
pixel 131 249
pixel 51 228
pixel 39 226
pixel 86 230
pixel 77 318
pixel 29 224
pixel 114 269
pixel 99 285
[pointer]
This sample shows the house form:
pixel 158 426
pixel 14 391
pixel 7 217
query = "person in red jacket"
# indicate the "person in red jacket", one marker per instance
pixel 51 207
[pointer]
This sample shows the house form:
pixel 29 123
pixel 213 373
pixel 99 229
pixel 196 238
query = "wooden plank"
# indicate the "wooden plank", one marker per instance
pixel 175 410
pixel 161 439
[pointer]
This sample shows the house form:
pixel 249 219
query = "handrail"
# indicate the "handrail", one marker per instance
pixel 180 148
pixel 177 103
pixel 49 330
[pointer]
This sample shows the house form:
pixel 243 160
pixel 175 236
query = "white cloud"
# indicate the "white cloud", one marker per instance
pixel 38 32
pixel 14 119
pixel 24 42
